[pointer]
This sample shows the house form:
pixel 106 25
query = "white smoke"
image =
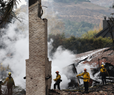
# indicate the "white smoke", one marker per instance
pixel 15 38
pixel 62 60
pixel 104 3
pixel 21 3
pixel 48 0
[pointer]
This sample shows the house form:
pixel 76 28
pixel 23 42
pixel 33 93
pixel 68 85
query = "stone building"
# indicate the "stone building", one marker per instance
pixel 38 66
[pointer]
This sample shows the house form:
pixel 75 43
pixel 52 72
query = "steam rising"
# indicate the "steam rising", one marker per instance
pixel 62 61
pixel 21 3
pixel 62 58
pixel 15 51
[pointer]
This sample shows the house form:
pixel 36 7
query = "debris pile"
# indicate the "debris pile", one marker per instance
pixel 107 89
pixel 93 61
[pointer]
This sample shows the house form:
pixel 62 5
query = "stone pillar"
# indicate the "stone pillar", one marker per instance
pixel 105 24
pixel 37 66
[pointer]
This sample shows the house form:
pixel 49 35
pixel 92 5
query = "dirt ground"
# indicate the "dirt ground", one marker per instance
pixel 107 89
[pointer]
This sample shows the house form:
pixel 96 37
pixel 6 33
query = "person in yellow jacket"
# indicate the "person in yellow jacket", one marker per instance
pixel 86 79
pixel 57 80
pixel 103 73
pixel 10 83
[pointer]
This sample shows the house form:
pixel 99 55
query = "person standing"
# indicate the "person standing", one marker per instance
pixel 0 87
pixel 103 72
pixel 57 80
pixel 10 83
pixel 86 79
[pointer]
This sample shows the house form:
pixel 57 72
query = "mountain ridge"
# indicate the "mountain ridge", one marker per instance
pixel 84 11
pixel 76 13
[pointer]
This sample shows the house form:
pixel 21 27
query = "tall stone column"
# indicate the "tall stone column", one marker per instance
pixel 37 66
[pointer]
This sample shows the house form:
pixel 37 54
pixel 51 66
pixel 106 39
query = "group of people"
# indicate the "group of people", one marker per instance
pixel 86 78
pixel 9 83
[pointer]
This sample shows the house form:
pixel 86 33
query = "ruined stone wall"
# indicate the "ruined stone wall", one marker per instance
pixel 48 75
pixel 37 66
pixel 48 63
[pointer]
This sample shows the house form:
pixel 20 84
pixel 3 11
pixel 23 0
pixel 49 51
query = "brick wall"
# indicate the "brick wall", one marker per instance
pixel 37 66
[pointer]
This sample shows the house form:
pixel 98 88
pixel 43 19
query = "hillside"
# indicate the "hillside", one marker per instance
pixel 84 11
pixel 73 19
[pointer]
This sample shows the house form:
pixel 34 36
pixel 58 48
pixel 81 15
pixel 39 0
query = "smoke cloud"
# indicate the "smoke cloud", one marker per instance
pixel 15 51
pixel 21 3
pixel 62 61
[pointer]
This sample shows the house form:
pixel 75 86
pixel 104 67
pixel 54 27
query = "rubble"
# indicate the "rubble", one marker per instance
pixel 107 89
pixel 94 59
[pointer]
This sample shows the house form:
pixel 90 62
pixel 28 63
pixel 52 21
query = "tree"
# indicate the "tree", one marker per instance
pixel 6 11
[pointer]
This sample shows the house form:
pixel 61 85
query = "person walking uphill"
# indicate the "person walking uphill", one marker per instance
pixel 57 80
pixel 10 83
pixel 103 72
pixel 86 79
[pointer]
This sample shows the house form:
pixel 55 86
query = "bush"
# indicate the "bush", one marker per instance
pixel 79 45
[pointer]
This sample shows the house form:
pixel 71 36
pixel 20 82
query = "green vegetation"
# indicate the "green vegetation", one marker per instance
pixel 68 1
pixel 92 33
pixel 77 28
pixel 69 28
pixel 79 45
